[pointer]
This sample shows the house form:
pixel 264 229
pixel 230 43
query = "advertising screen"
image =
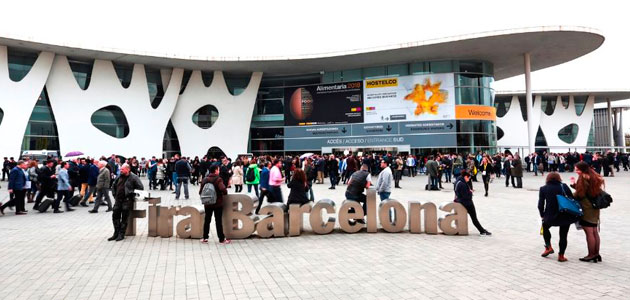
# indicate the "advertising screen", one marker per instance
pixel 409 98
pixel 323 104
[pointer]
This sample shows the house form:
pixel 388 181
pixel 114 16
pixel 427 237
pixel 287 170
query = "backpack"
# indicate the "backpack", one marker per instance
pixel 250 176
pixel 602 200
pixel 209 194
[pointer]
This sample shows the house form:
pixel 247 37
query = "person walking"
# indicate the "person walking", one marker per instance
pixel 517 171
pixel 507 166
pixel 102 187
pixel 550 214
pixel 384 181
pixel 332 166
pixel 252 177
pixel 311 175
pixel 32 177
pixel 463 196
pixel 63 188
pixel 182 169
pixel 47 178
pixel 237 177
pixel 124 196
pixel 265 188
pixel 486 170
pixel 589 185
pixel 160 175
pixel 276 180
pixel 17 185
pixel 91 183
pixel 298 188
pixel 217 208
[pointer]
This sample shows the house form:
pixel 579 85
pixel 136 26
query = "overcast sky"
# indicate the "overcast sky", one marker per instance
pixel 274 28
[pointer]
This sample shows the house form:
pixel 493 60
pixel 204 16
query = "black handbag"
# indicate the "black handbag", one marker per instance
pixel 602 200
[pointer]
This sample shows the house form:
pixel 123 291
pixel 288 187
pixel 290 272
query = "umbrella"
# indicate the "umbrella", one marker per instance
pixel 74 153
pixel 306 155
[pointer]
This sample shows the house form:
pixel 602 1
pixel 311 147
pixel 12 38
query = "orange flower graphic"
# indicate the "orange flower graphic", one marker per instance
pixel 419 96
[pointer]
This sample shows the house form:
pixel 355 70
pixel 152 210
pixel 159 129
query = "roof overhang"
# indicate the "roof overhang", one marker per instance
pixel 601 96
pixel 548 46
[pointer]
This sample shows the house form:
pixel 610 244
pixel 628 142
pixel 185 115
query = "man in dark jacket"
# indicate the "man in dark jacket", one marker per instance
pixel 5 168
pixel 91 182
pixel 463 196
pixel 17 187
pixel 182 168
pixel 332 166
pixel 217 208
pixel 124 194
pixel 48 181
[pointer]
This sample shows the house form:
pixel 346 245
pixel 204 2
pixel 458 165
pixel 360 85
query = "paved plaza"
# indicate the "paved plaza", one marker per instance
pixel 66 256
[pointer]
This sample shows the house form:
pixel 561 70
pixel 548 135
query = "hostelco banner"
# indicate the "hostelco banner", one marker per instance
pixel 409 98
pixel 278 220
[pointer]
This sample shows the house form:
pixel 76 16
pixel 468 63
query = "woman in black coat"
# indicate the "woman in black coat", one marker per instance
pixel 299 188
pixel 551 216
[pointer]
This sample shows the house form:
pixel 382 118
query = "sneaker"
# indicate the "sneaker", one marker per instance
pixel 225 242
pixel 204 241
pixel 486 233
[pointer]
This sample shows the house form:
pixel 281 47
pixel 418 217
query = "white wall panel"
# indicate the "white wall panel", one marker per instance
pixel 17 100
pixel 74 107
pixel 230 132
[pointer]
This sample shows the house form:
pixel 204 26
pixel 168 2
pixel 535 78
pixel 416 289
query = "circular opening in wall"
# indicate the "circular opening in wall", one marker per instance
pixel 205 116
pixel 568 133
pixel 112 121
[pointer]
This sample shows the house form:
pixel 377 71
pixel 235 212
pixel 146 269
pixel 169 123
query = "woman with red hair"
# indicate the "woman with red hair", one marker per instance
pixel 588 186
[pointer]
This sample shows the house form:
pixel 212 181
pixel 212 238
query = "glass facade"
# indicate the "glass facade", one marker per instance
pixel 41 130
pixel 112 121
pixel 205 116
pixel 473 86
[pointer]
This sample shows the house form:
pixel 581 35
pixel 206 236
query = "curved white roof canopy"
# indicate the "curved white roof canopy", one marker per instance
pixel 548 46
pixel 601 96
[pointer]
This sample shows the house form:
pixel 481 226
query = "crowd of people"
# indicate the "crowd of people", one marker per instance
pixel 57 181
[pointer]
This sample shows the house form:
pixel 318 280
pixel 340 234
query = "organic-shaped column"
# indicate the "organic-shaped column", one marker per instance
pixel 230 132
pixel 17 100
pixel 74 107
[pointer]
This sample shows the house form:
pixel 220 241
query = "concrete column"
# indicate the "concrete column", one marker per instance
pixel 620 132
pixel 611 137
pixel 532 127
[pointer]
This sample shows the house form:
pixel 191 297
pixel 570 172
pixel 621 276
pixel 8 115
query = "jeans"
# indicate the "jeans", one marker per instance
pixel 384 195
pixel 333 179
pixel 249 188
pixel 447 174
pixel 218 221
pixel 100 194
pixel 178 187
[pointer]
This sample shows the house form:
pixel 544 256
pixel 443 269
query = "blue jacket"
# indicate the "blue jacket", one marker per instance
pixel 92 175
pixel 264 178
pixel 17 179
pixel 63 180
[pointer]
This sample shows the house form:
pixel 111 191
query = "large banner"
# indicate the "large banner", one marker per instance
pixel 409 98
pixel 323 104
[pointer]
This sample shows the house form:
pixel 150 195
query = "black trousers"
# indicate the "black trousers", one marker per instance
pixel 120 217
pixel 472 212
pixel 519 182
pixel 486 182
pixel 564 231
pixel 17 200
pixel 218 214
pixel 507 178
pixel 397 177
pixel 44 193
pixel 263 193
pixel 62 195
